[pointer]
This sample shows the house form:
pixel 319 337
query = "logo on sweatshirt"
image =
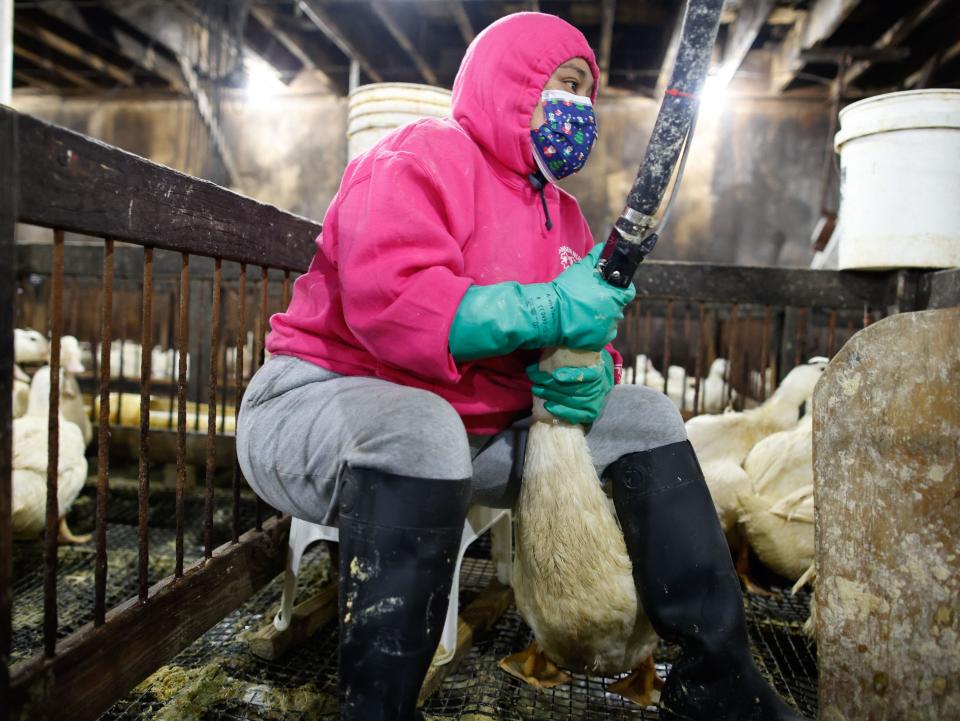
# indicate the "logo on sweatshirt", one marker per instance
pixel 568 256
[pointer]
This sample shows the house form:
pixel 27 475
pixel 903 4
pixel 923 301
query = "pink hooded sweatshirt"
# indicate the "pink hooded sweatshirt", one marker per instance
pixel 433 208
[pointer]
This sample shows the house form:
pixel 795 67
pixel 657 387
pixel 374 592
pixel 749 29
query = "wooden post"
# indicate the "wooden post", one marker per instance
pixel 8 298
pixel 887 483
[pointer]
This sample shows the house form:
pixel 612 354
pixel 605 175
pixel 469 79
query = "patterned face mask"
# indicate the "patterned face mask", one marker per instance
pixel 562 144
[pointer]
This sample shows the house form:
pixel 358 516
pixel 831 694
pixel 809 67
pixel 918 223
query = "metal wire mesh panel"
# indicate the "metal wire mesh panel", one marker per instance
pixel 76 563
pixel 217 679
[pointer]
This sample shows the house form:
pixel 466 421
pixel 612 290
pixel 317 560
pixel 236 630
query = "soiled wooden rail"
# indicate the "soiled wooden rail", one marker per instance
pixel 57 179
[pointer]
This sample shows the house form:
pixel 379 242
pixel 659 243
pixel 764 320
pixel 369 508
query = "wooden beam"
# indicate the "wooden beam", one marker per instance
pixel 265 18
pixel 72 182
pixel 895 35
pixel 30 78
pixel 398 34
pixel 815 26
pixel 939 289
pixel 315 12
pixel 47 64
pixel 477 618
pixel 71 48
pixel 741 35
pixel 9 160
pixel 138 638
pixel 462 19
pixel 716 283
pixel 669 53
pixel 608 13
pixel 205 110
pixel 924 73
pixel 306 619
pixel 143 52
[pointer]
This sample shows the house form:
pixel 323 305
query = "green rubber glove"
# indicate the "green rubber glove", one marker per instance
pixel 575 395
pixel 578 309
pixel 590 308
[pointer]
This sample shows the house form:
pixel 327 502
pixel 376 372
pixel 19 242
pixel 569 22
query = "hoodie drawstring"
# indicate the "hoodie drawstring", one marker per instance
pixel 538 182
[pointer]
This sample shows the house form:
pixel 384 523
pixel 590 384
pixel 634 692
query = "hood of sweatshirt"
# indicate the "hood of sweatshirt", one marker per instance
pixel 501 78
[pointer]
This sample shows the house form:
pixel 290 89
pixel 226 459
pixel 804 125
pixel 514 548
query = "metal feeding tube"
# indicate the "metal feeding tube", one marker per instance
pixel 635 233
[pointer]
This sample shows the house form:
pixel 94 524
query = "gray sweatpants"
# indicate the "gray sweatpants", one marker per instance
pixel 301 425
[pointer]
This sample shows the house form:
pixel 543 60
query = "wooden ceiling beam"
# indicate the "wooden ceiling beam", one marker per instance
pixel 267 20
pixel 608 13
pixel 462 19
pixel 918 78
pixel 315 12
pixel 68 47
pixel 895 35
pixel 816 25
pixel 50 66
pixel 669 53
pixel 398 34
pixel 205 111
pixel 741 35
pixel 30 78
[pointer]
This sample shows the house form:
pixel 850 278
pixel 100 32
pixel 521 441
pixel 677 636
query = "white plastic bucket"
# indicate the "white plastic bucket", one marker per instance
pixel 375 110
pixel 900 181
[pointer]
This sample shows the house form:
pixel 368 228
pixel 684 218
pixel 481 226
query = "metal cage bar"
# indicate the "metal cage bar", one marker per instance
pixel 53 451
pixel 103 437
pixel 143 466
pixel 238 395
pixel 212 413
pixel 182 406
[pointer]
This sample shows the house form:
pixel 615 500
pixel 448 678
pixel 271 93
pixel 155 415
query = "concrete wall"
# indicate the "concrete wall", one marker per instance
pixel 751 189
pixel 289 152
pixel 750 195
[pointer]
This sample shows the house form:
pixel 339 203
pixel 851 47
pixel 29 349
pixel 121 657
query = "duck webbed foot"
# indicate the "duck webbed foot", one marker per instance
pixel 532 666
pixel 743 571
pixel 642 685
pixel 65 535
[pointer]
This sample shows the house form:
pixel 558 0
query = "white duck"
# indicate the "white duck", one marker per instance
pixel 776 507
pixel 722 442
pixel 29 346
pixel 72 407
pixel 572 579
pixel 646 374
pixel 714 387
pixel 680 388
pixel 30 465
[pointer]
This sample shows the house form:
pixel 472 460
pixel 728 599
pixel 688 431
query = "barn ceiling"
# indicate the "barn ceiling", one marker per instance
pixel 97 46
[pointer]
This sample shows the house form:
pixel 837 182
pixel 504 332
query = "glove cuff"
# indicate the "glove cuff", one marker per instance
pixel 494 320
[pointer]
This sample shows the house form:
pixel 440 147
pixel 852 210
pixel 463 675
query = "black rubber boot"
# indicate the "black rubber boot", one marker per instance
pixel 688 586
pixel 399 538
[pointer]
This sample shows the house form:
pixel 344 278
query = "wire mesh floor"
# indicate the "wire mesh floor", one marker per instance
pixel 75 563
pixel 218 679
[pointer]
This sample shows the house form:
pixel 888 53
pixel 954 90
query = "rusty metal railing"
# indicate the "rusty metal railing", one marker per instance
pixel 72 184
pixel 762 321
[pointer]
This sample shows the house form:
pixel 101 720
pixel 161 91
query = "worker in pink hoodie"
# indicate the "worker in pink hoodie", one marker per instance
pixel 399 390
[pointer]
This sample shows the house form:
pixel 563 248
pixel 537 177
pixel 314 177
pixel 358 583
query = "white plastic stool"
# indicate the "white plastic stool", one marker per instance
pixel 479 519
